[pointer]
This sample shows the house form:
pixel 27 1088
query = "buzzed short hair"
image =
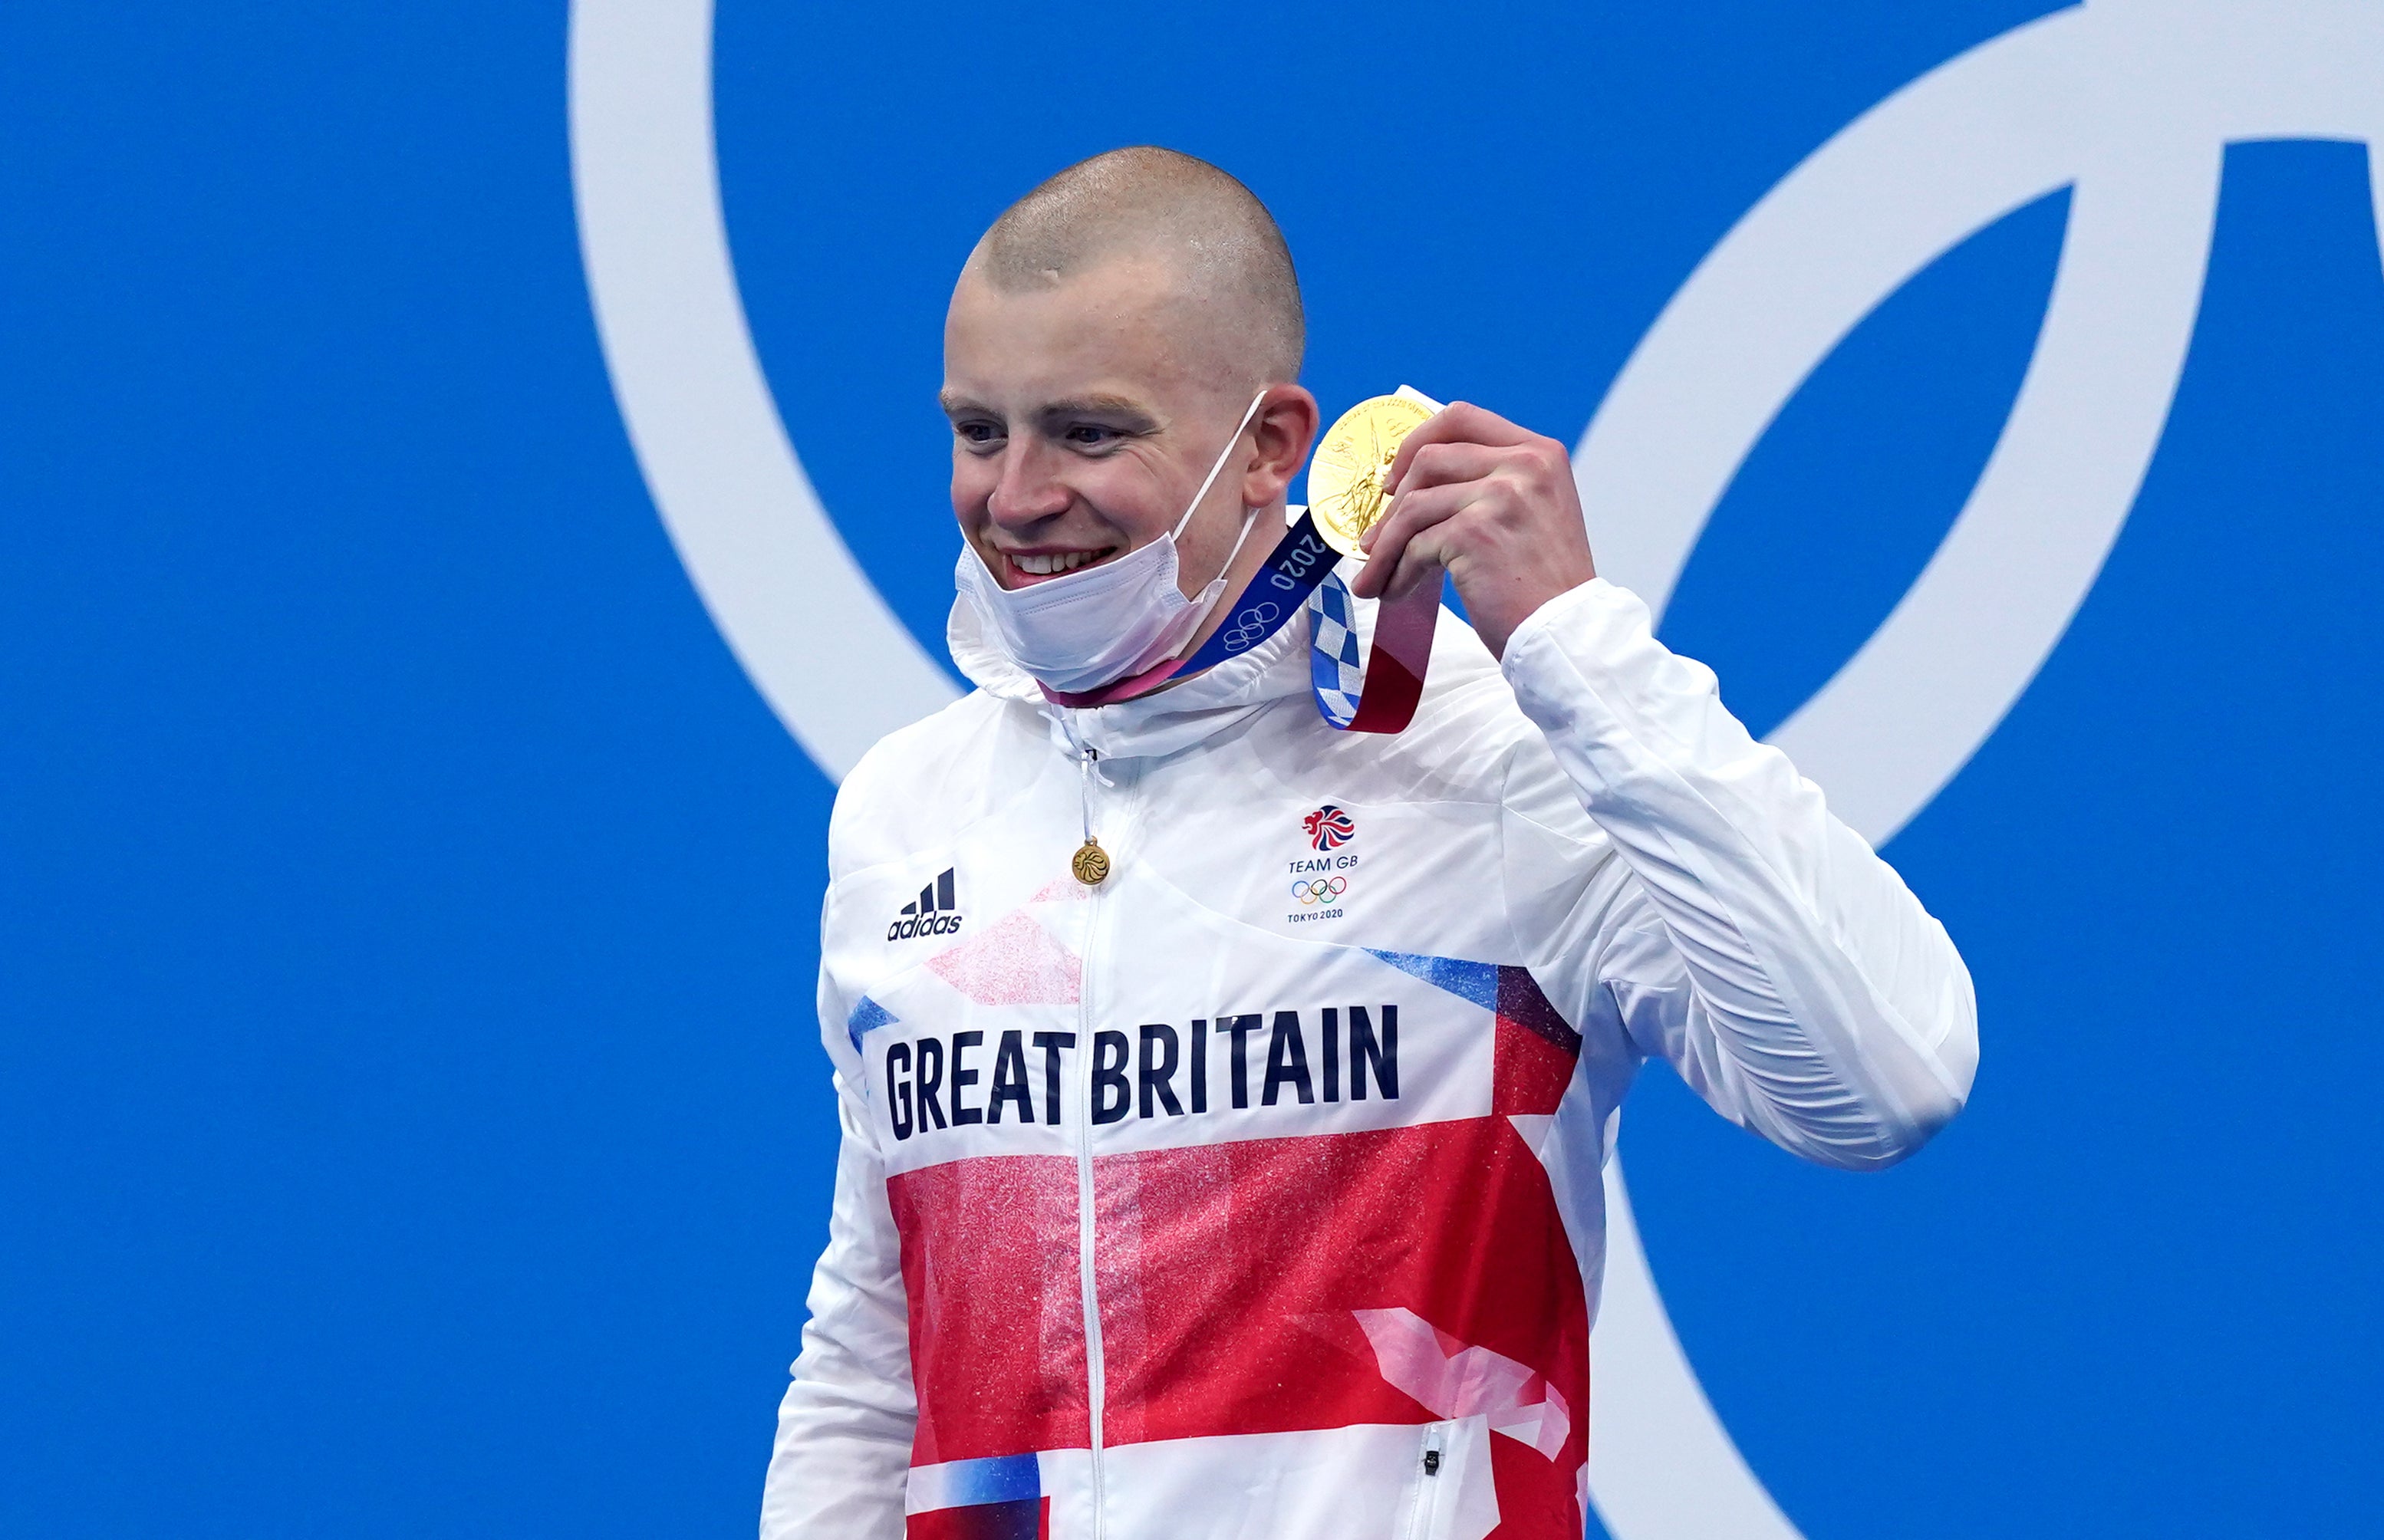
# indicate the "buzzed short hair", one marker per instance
pixel 1211 228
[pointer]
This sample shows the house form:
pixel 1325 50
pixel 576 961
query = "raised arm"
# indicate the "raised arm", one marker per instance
pixel 1757 944
pixel 1763 948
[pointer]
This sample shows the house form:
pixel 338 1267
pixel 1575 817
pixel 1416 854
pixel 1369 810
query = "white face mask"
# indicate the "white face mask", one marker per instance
pixel 1091 628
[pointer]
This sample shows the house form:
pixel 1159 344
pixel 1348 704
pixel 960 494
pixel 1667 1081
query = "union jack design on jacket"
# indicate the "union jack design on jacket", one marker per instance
pixel 1168 1209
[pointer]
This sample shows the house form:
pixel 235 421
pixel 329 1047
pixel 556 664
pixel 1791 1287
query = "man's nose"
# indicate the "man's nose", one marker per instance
pixel 1027 490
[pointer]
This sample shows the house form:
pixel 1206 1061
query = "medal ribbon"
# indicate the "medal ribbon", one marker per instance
pixel 1379 697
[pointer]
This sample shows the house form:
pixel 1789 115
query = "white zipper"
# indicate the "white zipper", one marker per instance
pixel 1431 1467
pixel 1096 1366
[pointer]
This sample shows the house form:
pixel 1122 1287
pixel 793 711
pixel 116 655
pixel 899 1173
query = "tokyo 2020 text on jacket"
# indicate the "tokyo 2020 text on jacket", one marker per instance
pixel 1256 1191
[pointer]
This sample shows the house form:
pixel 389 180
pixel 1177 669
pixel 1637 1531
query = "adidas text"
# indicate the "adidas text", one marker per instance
pixel 936 911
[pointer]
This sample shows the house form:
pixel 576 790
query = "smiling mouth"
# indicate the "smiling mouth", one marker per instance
pixel 1035 567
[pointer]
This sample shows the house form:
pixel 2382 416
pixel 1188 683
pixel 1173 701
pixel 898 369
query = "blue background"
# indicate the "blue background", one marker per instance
pixel 410 1119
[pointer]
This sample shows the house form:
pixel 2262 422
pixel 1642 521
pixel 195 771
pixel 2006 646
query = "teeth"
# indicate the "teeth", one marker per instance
pixel 1044 566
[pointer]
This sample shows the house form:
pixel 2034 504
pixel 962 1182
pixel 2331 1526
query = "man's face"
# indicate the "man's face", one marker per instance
pixel 1084 417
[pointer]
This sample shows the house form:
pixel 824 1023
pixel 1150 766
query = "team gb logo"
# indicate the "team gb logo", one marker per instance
pixel 1328 827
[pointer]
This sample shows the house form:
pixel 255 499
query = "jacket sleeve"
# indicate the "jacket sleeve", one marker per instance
pixel 1748 937
pixel 840 1465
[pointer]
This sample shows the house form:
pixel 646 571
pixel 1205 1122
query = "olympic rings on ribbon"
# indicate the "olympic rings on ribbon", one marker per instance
pixel 1319 890
pixel 1249 625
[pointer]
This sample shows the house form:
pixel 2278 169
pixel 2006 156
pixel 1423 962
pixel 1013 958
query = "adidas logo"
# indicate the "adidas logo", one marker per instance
pixel 933 912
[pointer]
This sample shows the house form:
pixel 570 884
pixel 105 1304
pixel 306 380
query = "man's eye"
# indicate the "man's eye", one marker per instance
pixel 1086 435
pixel 979 433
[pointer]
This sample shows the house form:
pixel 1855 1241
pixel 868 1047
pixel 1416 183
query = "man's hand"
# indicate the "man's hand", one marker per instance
pixel 1492 504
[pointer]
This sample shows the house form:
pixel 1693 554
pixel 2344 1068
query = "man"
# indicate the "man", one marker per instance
pixel 1225 1095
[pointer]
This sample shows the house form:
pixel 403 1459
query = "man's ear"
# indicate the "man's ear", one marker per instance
pixel 1282 433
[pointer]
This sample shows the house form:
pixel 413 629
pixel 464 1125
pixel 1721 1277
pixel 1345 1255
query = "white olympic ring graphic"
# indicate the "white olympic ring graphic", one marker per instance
pixel 1320 889
pixel 2130 102
pixel 1249 625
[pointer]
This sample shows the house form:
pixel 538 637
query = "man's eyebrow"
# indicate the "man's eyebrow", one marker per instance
pixel 1123 410
pixel 1122 407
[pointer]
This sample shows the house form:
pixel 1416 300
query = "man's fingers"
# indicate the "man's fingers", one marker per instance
pixel 1458 422
pixel 1386 543
pixel 1384 578
pixel 1449 461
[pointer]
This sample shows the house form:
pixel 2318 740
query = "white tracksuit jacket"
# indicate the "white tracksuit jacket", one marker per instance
pixel 1254 1194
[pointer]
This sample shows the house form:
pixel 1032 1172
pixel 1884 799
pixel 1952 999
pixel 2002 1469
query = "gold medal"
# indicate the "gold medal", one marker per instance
pixel 1345 496
pixel 1091 863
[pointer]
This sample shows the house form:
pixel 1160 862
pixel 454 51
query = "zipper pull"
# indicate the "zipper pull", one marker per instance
pixel 1432 1462
pixel 1090 864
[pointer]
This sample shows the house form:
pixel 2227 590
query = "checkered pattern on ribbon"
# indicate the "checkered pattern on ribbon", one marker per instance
pixel 1333 668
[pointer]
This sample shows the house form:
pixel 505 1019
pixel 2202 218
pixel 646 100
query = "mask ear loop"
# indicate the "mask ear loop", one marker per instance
pixel 1202 495
pixel 1250 516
